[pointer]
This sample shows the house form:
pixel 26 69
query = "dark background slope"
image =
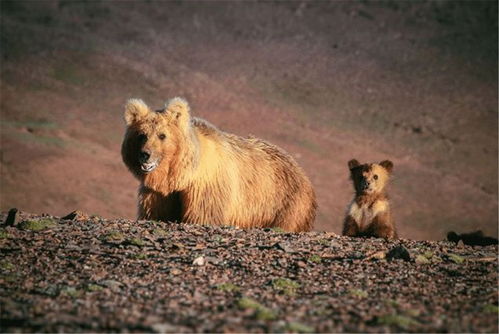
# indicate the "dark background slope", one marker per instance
pixel 328 81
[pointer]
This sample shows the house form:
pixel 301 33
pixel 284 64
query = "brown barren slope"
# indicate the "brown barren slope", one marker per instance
pixel 415 83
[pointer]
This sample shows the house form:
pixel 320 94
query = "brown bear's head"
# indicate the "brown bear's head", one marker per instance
pixel 153 138
pixel 370 179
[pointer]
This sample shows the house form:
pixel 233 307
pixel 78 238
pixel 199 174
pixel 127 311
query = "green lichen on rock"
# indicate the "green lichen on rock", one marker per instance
pixel 137 242
pixel 217 238
pixel 296 327
pixel 315 258
pixel 159 233
pixel 324 242
pixel 391 302
pixel 261 312
pixel 490 308
pixel 71 292
pixel 285 285
pixel 398 320
pixel 3 234
pixel 94 287
pixel 421 259
pixel 425 258
pixel 455 258
pixel 37 224
pixel 113 237
pixel 428 254
pixel 228 287
pixel 10 277
pixel 140 256
pixel 358 293
pixel 6 266
pixel 277 230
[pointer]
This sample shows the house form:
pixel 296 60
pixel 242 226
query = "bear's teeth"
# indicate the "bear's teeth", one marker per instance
pixel 148 167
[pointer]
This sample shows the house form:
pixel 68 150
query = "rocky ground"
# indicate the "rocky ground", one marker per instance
pixel 90 274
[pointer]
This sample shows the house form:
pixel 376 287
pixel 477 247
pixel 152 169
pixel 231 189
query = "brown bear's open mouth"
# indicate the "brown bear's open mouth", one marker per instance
pixel 148 167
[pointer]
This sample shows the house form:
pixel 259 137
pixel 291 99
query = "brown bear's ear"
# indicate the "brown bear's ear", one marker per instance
pixel 178 111
pixel 135 109
pixel 387 164
pixel 353 163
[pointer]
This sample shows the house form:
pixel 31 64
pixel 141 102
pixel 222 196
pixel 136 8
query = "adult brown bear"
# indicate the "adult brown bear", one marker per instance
pixel 192 172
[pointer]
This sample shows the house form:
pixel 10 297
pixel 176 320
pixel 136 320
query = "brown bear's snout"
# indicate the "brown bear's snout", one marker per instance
pixel 144 156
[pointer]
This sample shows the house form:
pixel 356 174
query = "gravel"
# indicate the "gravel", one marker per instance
pixel 91 274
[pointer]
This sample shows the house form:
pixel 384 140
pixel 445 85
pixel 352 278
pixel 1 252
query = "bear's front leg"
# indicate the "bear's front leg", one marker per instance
pixel 156 206
pixel 350 227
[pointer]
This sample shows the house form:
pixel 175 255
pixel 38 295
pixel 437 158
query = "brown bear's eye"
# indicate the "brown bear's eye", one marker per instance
pixel 375 177
pixel 162 136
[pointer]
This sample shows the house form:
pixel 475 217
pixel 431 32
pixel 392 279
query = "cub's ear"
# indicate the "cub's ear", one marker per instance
pixel 353 163
pixel 135 109
pixel 178 111
pixel 387 164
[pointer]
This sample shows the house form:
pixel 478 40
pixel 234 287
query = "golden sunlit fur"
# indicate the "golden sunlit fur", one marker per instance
pixel 192 172
pixel 369 213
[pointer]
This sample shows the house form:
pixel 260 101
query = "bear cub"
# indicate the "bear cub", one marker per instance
pixel 369 213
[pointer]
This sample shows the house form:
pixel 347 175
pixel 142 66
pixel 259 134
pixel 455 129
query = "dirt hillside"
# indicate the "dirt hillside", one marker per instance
pixel 328 81
pixel 89 274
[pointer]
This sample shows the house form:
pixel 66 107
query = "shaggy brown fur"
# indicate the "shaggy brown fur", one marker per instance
pixel 192 172
pixel 369 213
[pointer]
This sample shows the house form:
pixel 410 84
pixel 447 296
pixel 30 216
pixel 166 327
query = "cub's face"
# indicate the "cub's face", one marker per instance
pixel 370 178
pixel 153 138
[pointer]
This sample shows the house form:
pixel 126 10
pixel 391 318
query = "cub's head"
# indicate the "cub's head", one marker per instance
pixel 370 178
pixel 153 138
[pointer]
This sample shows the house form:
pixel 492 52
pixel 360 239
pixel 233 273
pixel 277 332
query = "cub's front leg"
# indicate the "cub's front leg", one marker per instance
pixel 350 227
pixel 381 227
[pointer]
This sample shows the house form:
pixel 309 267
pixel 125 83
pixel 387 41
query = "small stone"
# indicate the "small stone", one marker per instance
pixel 164 328
pixel 356 256
pixel 301 264
pixel 285 247
pixel 398 252
pixel 377 255
pixel 12 217
pixel 111 284
pixel 175 271
pixel 75 215
pixel 212 260
pixel 199 261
